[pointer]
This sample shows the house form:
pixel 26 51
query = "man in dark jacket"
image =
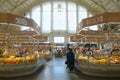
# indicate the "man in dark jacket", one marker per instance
pixel 70 59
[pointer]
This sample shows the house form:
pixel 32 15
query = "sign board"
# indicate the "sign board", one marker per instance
pixel 8 18
pixel 113 17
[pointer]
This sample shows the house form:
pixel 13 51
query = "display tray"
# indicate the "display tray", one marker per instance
pixel 101 70
pixel 15 70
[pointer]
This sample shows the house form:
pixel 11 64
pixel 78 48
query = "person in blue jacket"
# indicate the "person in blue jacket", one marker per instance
pixel 70 59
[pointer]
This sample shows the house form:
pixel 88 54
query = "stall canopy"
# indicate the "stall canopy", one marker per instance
pixel 23 36
pixel 75 38
pixel 96 36
pixel 41 38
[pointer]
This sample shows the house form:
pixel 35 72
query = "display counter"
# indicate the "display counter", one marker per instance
pixel 103 66
pixel 48 55
pixel 17 48
pixel 13 66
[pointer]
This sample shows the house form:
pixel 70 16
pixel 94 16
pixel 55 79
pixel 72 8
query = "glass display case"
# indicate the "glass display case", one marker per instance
pixel 18 59
pixel 103 63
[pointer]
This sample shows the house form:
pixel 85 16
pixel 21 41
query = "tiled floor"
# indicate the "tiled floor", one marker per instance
pixel 56 70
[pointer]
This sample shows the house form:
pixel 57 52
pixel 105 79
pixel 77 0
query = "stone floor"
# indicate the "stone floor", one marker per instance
pixel 56 70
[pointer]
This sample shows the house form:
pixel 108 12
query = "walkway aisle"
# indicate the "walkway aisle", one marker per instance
pixel 53 70
pixel 56 70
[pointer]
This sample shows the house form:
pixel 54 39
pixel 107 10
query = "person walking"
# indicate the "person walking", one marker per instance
pixel 70 59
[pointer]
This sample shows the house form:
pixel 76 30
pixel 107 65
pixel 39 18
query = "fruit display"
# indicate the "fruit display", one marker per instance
pixel 1 60
pixel 98 61
pixel 115 59
pixel 30 58
pixel 40 55
pixel 83 58
pixel 103 60
pixel 17 56
pixel 21 55
pixel 47 53
pixel 19 60
pixel 10 60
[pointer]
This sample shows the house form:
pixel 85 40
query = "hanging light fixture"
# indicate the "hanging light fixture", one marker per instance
pixel 59 7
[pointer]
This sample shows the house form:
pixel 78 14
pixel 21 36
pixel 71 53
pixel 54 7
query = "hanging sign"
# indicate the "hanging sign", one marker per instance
pixel 113 18
pixel 94 20
pixel 21 21
pixel 7 18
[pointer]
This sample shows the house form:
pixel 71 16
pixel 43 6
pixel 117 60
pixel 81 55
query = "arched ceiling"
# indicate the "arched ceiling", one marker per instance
pixel 19 7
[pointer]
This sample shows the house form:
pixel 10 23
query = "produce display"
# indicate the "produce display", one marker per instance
pixel 93 60
pixel 83 58
pixel 13 60
pixel 101 58
pixel 16 50
pixel 30 58
pixel 47 53
pixel 6 58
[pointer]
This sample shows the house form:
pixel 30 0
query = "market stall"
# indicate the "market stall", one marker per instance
pixel 102 62
pixel 17 48
pixel 18 58
pixel 45 47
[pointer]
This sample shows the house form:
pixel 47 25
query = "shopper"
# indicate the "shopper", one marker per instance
pixel 90 52
pixel 84 52
pixel 70 59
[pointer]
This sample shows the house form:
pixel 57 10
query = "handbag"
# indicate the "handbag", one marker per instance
pixel 66 62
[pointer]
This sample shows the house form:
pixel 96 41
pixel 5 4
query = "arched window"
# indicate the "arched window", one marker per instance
pixel 72 17
pixel 36 14
pixel 58 15
pixel 46 17
pixel 82 13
